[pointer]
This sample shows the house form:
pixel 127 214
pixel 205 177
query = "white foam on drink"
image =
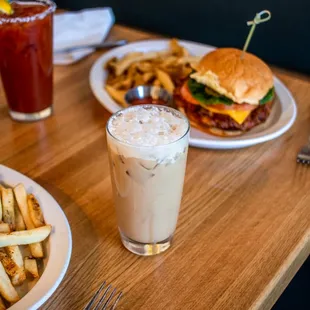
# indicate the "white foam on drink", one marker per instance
pixel 152 126
pixel 149 132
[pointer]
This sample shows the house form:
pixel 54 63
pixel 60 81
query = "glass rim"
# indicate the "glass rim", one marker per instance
pixel 50 8
pixel 149 146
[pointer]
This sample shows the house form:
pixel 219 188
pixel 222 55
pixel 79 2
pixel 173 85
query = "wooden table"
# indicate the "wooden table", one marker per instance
pixel 244 226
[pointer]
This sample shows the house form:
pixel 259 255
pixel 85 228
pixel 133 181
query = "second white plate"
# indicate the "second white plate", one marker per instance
pixel 281 119
pixel 59 244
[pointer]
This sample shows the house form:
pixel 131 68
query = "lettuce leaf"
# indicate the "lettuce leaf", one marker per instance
pixel 198 91
pixel 269 96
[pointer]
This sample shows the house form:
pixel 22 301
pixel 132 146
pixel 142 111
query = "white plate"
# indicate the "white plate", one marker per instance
pixel 281 119
pixel 58 246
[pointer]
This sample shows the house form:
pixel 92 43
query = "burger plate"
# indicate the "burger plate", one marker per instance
pixel 280 120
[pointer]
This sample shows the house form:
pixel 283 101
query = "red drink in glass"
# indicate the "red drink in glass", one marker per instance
pixel 26 59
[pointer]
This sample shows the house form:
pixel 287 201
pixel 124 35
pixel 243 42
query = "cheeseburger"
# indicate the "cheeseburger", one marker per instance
pixel 228 94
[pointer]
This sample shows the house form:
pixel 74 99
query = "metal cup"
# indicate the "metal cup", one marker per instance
pixel 155 92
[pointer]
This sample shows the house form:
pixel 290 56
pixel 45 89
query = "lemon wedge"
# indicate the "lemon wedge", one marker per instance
pixel 5 7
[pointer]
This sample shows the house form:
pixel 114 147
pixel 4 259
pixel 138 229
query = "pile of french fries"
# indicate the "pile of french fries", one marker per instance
pixel 166 68
pixel 21 224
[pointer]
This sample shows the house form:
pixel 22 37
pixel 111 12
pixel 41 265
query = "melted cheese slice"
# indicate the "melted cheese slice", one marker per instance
pixel 238 116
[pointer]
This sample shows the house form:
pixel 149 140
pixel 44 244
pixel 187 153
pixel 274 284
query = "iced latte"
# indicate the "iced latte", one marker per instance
pixel 148 148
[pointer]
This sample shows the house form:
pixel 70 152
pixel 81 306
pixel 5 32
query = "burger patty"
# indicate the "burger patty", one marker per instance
pixel 225 122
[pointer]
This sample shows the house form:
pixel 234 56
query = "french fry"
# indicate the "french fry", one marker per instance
pixel 189 60
pixel 165 80
pixel 0 205
pixel 132 55
pixel 176 48
pixel 156 83
pixel 9 265
pixel 148 76
pixel 21 198
pixel 169 61
pixel 4 228
pixel 8 206
pixel 167 68
pixel 31 267
pixel 144 67
pixel 35 211
pixel 23 225
pixel 19 221
pixel 13 264
pixel 2 306
pixel 123 64
pixel 14 253
pixel 6 288
pixel 117 95
pixel 32 236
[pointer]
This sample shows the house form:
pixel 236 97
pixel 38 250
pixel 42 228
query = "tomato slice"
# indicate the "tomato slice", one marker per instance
pixel 187 95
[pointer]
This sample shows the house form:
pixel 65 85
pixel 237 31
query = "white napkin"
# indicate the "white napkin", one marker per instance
pixel 89 26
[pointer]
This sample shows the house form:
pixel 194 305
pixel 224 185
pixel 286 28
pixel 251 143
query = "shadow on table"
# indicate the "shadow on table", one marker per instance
pixel 88 249
pixel 296 295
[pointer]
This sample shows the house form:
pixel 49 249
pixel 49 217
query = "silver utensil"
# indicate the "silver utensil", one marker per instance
pixel 101 301
pixel 303 156
pixel 155 92
pixel 96 46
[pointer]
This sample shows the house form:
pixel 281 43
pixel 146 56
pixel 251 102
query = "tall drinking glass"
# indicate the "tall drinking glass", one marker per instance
pixel 147 149
pixel 26 59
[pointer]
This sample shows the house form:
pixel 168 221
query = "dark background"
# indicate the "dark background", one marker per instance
pixel 283 41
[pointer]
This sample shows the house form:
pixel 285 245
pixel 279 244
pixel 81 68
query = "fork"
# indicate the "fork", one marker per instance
pixel 303 156
pixel 95 46
pixel 103 302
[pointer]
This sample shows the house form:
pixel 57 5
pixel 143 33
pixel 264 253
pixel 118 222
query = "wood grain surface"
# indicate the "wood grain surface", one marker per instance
pixel 244 225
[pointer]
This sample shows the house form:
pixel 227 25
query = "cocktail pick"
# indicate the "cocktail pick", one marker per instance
pixel 258 19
